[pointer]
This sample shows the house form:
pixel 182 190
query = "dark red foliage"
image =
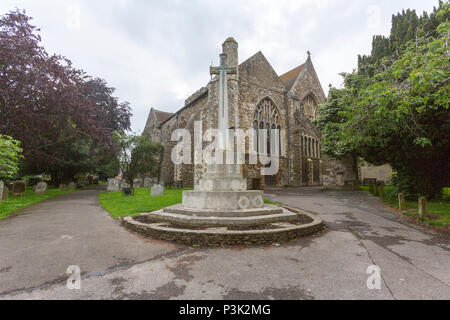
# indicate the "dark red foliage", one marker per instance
pixel 50 106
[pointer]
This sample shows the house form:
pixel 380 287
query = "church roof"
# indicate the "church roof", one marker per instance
pixel 289 77
pixel 162 116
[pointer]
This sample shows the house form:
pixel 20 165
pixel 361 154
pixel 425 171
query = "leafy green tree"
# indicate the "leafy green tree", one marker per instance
pixel 398 112
pixel 139 156
pixel 64 118
pixel 10 156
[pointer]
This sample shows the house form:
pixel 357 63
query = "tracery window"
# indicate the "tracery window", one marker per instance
pixel 309 107
pixel 267 118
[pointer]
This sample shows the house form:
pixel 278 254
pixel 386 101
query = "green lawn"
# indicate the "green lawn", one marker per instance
pixel 120 206
pixel 273 203
pixel 435 207
pixel 14 204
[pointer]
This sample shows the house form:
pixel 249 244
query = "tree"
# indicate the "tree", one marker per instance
pixel 10 155
pixel 399 113
pixel 64 118
pixel 138 156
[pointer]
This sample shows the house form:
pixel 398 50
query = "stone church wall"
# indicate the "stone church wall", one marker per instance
pixel 258 81
pixel 184 119
pixel 336 172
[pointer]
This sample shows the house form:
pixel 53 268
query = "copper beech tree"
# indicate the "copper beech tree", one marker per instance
pixel 64 118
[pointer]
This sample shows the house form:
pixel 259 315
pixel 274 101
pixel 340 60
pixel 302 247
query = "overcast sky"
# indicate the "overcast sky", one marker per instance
pixel 157 53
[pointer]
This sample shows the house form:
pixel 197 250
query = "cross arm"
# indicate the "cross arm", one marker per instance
pixel 218 70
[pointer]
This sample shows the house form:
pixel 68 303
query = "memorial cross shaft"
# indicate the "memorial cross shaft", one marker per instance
pixel 223 71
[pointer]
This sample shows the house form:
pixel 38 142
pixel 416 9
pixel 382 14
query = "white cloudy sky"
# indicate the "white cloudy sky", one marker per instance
pixel 156 53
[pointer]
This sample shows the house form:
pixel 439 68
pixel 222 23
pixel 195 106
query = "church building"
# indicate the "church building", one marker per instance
pixel 259 99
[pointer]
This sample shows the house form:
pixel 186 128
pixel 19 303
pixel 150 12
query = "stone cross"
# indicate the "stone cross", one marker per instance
pixel 223 71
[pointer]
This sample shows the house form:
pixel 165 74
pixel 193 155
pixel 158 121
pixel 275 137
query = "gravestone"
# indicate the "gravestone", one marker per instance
pixel 157 190
pixel 63 187
pixel 138 183
pixel 5 195
pixel 127 191
pixel 113 185
pixel 148 183
pixel 32 182
pixel 72 186
pixel 19 188
pixel 40 188
pixel 401 201
pixel 2 186
pixel 422 207
pixel 83 182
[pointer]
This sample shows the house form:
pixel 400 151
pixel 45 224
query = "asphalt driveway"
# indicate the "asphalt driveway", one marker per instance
pixel 38 245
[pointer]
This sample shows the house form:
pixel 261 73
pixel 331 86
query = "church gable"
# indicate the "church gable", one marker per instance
pixel 258 71
pixel 154 120
pixel 290 77
pixel 307 82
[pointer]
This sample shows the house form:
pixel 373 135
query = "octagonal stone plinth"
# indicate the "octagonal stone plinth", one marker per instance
pixel 223 200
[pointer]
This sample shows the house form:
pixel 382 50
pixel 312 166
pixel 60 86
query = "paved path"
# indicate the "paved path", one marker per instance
pixel 38 245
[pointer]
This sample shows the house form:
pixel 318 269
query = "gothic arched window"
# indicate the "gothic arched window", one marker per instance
pixel 266 119
pixel 313 148
pixel 318 149
pixel 305 145
pixel 309 107
pixel 309 147
pixel 255 136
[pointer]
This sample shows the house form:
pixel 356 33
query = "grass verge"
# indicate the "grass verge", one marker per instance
pixel 13 204
pixel 120 206
pixel 438 210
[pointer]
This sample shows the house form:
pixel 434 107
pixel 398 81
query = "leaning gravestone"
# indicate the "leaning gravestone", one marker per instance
pixel 138 183
pixel 72 186
pixel 63 187
pixel 19 188
pixel 5 195
pixel 2 186
pixel 157 190
pixel 113 185
pixel 41 187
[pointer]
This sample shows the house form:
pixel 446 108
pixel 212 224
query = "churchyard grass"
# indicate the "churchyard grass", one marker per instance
pixel 438 209
pixel 120 206
pixel 273 203
pixel 13 204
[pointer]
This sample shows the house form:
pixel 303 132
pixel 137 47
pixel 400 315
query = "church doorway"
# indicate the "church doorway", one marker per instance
pixel 270 181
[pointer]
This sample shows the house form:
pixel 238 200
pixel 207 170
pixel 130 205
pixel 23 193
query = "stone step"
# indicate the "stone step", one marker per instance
pixel 179 209
pixel 217 236
pixel 195 221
